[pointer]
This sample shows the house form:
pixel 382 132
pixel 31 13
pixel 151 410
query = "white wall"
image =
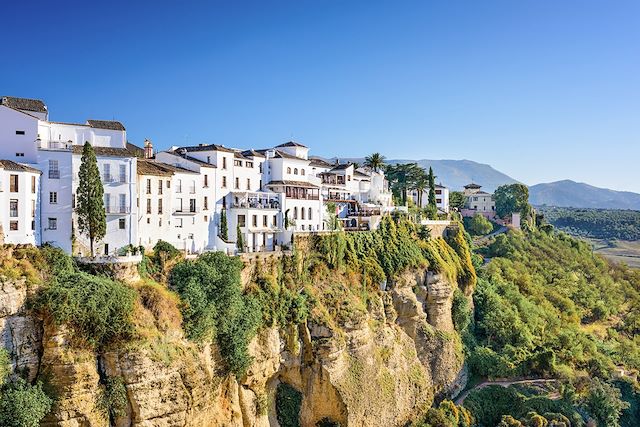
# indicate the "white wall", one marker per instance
pixel 28 212
pixel 11 144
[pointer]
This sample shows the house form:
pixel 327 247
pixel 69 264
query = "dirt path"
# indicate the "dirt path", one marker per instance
pixel 460 399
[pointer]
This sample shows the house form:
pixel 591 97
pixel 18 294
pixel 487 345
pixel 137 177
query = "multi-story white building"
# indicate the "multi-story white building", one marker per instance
pixel 26 135
pixel 19 203
pixel 178 195
pixel 442 198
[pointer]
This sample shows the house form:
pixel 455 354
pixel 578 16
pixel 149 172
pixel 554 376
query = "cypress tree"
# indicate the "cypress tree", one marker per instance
pixel 239 240
pixel 224 231
pixel 432 187
pixel 92 219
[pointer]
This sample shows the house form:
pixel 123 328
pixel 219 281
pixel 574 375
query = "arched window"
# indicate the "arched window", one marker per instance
pixel 309 216
pixel 301 171
pixel 295 213
pixel 288 170
pixel 295 171
pixel 302 213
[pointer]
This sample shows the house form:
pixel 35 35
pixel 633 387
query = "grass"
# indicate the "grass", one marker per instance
pixel 619 251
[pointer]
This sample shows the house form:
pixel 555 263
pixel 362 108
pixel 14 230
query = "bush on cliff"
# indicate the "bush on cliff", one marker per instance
pixel 21 404
pixel 214 306
pixel 97 310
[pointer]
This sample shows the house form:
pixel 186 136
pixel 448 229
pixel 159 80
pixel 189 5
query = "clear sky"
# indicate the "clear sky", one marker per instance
pixel 541 90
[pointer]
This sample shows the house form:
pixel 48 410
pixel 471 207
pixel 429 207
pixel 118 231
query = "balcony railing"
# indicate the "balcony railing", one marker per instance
pixel 115 209
pixel 187 211
pixel 107 178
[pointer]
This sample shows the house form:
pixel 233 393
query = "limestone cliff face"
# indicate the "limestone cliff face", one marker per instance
pixel 382 366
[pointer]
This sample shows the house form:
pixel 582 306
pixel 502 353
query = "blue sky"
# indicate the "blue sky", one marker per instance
pixel 541 90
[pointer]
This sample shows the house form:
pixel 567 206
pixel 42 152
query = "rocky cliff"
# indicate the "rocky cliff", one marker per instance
pixel 361 359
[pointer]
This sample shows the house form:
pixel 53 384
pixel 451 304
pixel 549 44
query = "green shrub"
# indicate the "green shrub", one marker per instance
pixel 214 306
pixel 22 404
pixel 479 225
pixel 114 397
pixel 5 366
pixel 288 404
pixel 460 311
pixel 98 310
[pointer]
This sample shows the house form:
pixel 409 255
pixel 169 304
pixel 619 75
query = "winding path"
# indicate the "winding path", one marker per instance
pixel 460 399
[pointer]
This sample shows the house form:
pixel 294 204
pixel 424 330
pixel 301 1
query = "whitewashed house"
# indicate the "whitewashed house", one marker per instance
pixel 478 201
pixel 442 198
pixel 19 203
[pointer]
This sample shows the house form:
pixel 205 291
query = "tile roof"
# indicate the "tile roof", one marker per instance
pixel 291 144
pixel 341 167
pixel 10 165
pixel 472 185
pixel 106 151
pixel 317 161
pixel 137 151
pixel 24 104
pixel 106 124
pixel 191 159
pixel 294 183
pixel 207 147
pixel 252 153
pixel 150 167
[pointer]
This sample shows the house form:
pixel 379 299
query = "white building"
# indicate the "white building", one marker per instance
pixel 19 203
pixel 26 135
pixel 442 198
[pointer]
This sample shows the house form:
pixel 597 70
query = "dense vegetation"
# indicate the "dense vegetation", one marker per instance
pixel 595 223
pixel 288 403
pixel 21 404
pixel 546 306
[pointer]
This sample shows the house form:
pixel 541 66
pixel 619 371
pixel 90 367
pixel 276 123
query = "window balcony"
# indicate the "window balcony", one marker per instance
pixel 117 210
pixel 54 174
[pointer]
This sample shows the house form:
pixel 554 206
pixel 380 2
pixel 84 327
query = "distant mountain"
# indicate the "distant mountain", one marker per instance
pixel 580 195
pixel 455 174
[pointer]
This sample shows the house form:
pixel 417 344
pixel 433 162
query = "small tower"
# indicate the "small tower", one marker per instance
pixel 148 149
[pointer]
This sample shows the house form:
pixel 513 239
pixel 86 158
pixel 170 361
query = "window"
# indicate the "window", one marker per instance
pixel 438 200
pixel 159 206
pixel 52 223
pixel 53 197
pixel 107 202
pixel 148 220
pixel 13 225
pixel 160 222
pixel 295 212
pixel 33 184
pixel 19 154
pixel 249 164
pixel 264 221
pixel 301 171
pixel 13 208
pixel 237 183
pixel 309 216
pixel 159 186
pixel 254 220
pixel 224 163
pixel 33 225
pixel 224 182
pixel 33 208
pixel 178 223
pixel 288 170
pixel 148 206
pixel 148 185
pixel 13 183
pixel 168 183
pixel 54 171
pixel 275 220
pixel 206 181
pixel 179 208
pixel 302 215
pixel 205 203
pixel 122 202
pixel 295 171
pixel 224 203
pixel 248 184
pixel 260 167
pixel 192 205
pixel 179 186
pixel 241 221
pixel 208 159
pixel 122 223
pixel 19 132
pixel 123 173
pixel 438 191
pixel 192 189
pixel 237 163
pixel 107 172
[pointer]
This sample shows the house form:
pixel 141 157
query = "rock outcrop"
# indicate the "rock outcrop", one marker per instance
pixel 381 367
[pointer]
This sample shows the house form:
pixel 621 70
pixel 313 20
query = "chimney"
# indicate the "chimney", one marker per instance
pixel 148 149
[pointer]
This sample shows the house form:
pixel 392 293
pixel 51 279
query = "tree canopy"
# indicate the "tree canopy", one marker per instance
pixel 512 198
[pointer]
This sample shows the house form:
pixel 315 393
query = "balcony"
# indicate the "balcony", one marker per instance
pixel 117 210
pixel 107 178
pixel 190 211
pixel 55 145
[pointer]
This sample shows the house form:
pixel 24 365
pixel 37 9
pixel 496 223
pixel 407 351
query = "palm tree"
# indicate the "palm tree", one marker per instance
pixel 375 161
pixel 420 183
